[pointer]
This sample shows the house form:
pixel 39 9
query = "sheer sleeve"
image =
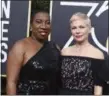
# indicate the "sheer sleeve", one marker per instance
pixel 97 66
pixel 104 72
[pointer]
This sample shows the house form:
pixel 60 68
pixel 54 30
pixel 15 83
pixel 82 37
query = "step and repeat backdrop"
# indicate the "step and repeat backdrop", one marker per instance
pixel 13 26
pixel 97 10
pixel 15 17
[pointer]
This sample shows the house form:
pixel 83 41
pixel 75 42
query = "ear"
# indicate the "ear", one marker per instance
pixel 90 29
pixel 30 28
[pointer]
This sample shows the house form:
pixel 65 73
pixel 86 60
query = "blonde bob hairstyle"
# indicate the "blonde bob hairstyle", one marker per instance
pixel 80 15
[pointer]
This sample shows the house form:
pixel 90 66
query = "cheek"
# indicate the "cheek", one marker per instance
pixel 86 34
pixel 86 31
pixel 73 32
pixel 35 27
pixel 49 27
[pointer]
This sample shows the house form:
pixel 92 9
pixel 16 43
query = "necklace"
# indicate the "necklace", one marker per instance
pixel 81 49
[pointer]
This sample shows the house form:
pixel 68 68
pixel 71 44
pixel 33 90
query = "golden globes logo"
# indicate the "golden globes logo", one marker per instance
pixel 93 6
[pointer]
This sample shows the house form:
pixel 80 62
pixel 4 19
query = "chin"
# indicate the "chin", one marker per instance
pixel 43 39
pixel 79 40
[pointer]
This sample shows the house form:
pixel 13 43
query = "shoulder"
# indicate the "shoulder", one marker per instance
pixel 97 53
pixel 19 43
pixel 54 44
pixel 18 46
pixel 66 51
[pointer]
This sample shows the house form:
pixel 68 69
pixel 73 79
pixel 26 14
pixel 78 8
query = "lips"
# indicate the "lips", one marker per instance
pixel 43 33
pixel 78 36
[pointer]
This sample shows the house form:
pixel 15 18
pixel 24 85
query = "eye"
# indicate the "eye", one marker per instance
pixel 82 26
pixel 38 21
pixel 48 22
pixel 73 28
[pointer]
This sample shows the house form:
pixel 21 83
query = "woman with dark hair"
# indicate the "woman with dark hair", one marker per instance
pixel 32 64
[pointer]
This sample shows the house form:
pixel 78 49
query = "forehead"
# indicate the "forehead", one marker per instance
pixel 41 15
pixel 78 22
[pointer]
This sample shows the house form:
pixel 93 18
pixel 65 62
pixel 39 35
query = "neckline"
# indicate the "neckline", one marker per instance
pixel 36 54
pixel 84 57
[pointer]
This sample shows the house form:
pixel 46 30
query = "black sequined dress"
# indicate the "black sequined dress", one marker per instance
pixel 79 75
pixel 39 75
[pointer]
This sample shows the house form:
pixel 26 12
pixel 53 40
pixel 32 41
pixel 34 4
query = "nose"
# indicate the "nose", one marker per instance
pixel 43 25
pixel 77 31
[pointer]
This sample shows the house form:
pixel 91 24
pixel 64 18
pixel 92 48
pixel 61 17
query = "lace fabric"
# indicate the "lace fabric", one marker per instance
pixel 77 74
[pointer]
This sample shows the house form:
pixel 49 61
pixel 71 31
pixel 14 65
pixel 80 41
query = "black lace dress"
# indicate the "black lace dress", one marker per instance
pixel 79 75
pixel 39 75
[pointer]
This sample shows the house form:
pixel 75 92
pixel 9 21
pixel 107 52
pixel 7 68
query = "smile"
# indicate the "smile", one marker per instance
pixel 43 33
pixel 79 36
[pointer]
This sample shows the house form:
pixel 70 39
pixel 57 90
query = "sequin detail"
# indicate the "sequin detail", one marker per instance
pixel 37 65
pixel 76 74
pixel 38 76
pixel 33 87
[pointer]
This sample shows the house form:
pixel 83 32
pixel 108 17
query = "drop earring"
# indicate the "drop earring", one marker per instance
pixel 30 29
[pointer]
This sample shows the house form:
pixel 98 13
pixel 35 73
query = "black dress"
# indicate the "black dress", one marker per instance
pixel 79 75
pixel 104 75
pixel 39 75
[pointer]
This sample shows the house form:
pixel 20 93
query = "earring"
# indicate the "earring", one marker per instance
pixel 30 29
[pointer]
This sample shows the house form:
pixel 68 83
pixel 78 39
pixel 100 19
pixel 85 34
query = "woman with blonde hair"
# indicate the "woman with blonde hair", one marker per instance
pixel 81 61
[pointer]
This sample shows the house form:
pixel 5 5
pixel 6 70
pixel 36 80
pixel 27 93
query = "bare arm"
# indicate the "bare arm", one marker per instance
pixel 98 90
pixel 14 63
